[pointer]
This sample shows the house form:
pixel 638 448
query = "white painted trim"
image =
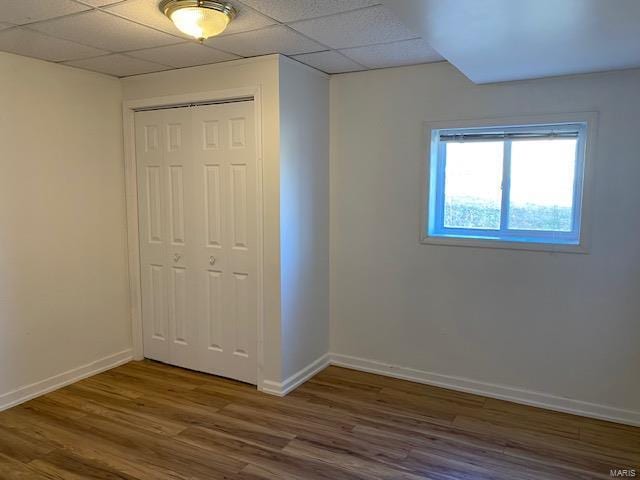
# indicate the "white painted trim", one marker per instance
pixel 135 290
pixel 294 381
pixel 502 392
pixel 133 247
pixel 503 244
pixel 28 392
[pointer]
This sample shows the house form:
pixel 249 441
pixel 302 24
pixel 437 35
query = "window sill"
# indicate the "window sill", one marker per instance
pixel 503 244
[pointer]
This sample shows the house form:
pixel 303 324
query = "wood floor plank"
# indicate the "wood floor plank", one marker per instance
pixel 253 472
pixel 128 449
pixel 351 460
pixel 287 464
pixel 368 406
pixel 332 439
pixel 622 439
pixel 63 465
pixel 410 387
pixel 163 392
pixel 292 416
pixel 12 469
pixel 149 421
pixel 126 412
pixel 164 451
pixel 17 445
pixel 84 443
pixel 445 458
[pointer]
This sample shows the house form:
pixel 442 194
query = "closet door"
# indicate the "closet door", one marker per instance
pixel 225 157
pixel 197 198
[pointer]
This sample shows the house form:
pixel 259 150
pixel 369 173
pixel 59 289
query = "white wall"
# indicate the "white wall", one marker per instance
pixel 304 214
pixel 563 325
pixel 63 281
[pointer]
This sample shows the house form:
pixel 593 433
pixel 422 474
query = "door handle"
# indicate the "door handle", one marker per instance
pixel 176 257
pixel 212 260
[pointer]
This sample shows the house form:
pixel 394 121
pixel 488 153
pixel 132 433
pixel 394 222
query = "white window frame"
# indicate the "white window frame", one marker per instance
pixel 582 210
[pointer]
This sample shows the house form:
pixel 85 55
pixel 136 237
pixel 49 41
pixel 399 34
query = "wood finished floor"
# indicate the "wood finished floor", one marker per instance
pixel 146 420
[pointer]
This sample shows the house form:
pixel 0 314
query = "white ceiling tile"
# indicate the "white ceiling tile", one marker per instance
pixel 276 39
pixel 118 65
pixel 290 11
pixel 147 12
pixel 105 31
pixel 21 12
pixel 183 55
pixel 408 52
pixel 34 44
pixel 247 19
pixel 355 29
pixel 329 62
pixel 100 3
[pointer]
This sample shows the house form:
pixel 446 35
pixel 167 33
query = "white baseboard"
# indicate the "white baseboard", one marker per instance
pixel 502 392
pixel 23 394
pixel 297 379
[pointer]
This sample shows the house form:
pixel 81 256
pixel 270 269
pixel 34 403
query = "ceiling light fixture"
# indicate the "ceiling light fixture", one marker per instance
pixel 200 19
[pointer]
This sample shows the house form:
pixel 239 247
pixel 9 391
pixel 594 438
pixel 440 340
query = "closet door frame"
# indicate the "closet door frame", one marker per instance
pixel 135 289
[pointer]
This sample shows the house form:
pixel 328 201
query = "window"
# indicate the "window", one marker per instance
pixel 521 184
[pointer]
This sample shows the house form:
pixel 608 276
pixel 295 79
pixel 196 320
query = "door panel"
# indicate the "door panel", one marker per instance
pixel 153 177
pixel 238 184
pixel 178 301
pixel 213 205
pixel 176 204
pixel 197 186
pixel 157 308
pixel 239 321
pixel 213 301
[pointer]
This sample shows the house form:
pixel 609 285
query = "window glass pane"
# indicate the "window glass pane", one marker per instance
pixel 472 186
pixel 542 178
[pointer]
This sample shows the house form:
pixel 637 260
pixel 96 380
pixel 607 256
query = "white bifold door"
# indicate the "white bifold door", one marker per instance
pixel 196 169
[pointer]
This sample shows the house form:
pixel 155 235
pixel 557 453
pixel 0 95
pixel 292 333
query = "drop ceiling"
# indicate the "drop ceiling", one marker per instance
pixel 131 37
pixel 503 40
pixel 487 40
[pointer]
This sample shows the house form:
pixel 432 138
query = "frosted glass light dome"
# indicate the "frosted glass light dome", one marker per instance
pixel 199 19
